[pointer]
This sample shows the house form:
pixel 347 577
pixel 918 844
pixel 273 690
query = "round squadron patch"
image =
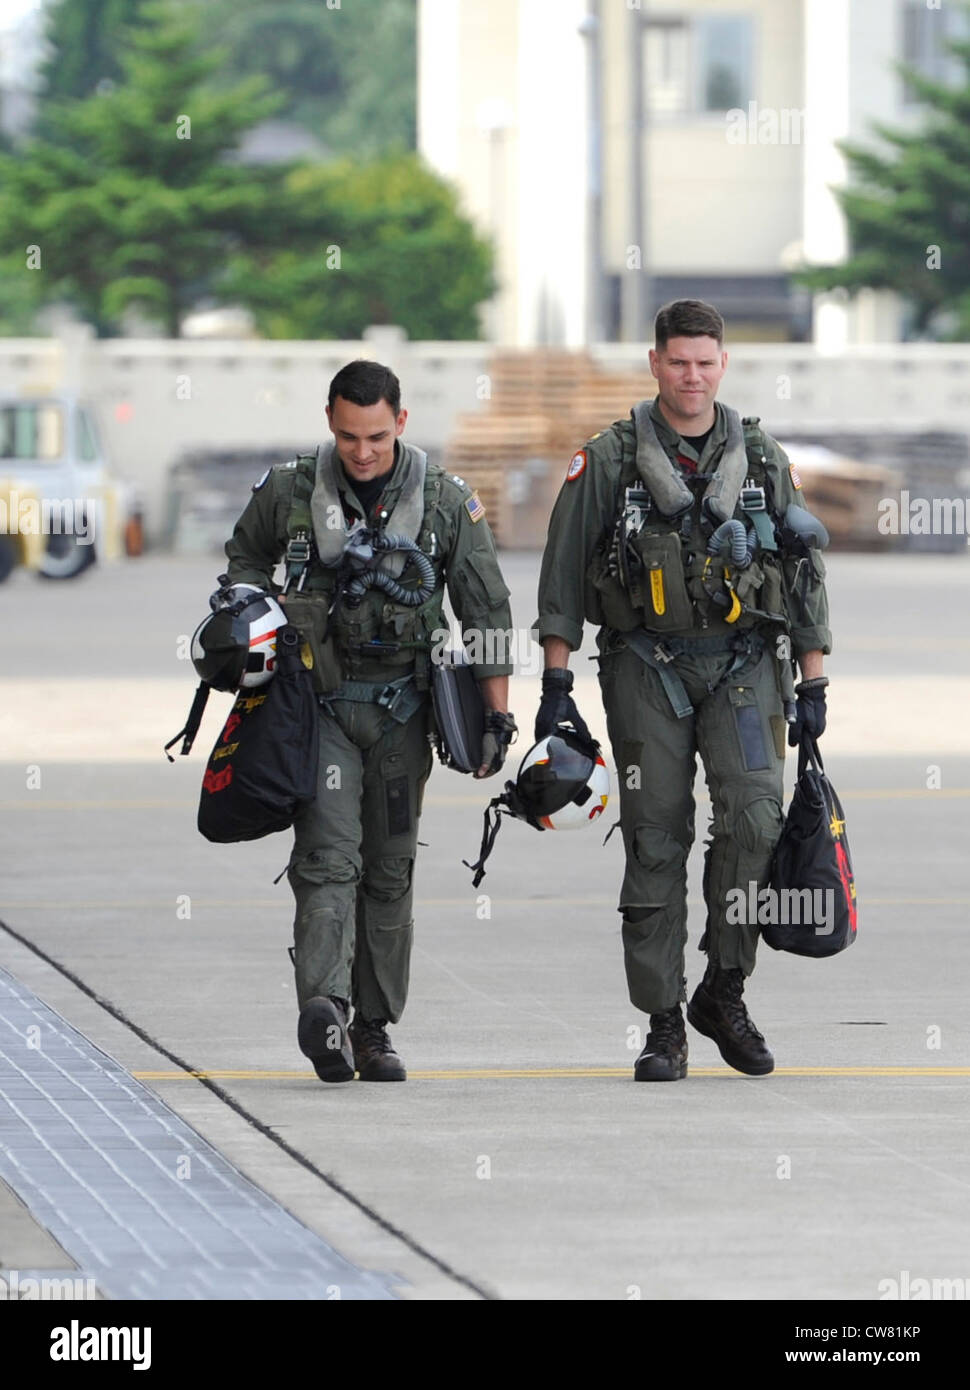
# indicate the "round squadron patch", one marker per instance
pixel 577 466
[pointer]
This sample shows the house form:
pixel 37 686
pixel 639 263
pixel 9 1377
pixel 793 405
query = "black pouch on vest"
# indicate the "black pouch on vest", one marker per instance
pixel 263 769
pixel 459 712
pixel 812 869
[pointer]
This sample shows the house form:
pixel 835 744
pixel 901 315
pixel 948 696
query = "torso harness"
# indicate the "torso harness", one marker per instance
pixel 696 562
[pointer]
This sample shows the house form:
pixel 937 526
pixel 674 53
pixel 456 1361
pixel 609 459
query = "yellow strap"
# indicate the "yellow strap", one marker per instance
pixel 657 592
pixel 735 612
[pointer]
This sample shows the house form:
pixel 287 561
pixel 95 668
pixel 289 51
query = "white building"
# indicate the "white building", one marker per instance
pixel 622 153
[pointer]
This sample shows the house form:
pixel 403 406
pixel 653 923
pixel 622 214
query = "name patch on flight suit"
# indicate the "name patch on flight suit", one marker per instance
pixel 577 466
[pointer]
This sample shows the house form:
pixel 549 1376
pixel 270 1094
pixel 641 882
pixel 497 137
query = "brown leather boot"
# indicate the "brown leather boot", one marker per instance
pixel 374 1057
pixel 717 1010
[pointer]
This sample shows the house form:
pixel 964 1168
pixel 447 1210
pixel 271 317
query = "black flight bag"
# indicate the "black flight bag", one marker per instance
pixel 812 857
pixel 263 769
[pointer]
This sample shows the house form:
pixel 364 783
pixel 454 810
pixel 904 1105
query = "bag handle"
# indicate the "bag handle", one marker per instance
pixel 808 754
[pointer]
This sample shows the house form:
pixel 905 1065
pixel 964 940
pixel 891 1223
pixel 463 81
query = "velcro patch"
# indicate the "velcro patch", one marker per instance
pixel 262 480
pixel 474 508
pixel 577 466
pixel 794 475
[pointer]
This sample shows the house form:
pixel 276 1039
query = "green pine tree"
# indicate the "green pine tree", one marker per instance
pixel 86 38
pixel 132 198
pixel 908 211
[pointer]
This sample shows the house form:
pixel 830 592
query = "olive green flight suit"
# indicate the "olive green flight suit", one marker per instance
pixel 352 864
pixel 731 677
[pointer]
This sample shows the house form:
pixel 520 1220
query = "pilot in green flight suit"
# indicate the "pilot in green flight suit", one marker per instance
pixel 352 864
pixel 669 533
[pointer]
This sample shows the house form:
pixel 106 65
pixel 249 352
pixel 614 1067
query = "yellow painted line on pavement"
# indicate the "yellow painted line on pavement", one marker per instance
pixel 542 1073
pixel 48 904
pixel 39 803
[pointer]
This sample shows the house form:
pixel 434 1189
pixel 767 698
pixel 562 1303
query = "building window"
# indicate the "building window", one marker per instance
pixel 925 35
pixel 697 64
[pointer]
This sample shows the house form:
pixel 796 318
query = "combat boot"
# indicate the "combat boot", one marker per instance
pixel 374 1057
pixel 718 1011
pixel 322 1036
pixel 664 1055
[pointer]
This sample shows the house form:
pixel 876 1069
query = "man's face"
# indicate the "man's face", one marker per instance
pixel 365 436
pixel 688 373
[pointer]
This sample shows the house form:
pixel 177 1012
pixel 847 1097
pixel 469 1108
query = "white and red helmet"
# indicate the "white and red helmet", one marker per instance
pixel 563 783
pixel 235 646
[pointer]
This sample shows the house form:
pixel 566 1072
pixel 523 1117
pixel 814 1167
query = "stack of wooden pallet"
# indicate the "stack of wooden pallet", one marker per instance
pixel 542 407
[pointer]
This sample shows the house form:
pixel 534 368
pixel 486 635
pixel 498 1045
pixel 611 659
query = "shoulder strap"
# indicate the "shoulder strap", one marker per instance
pixel 299 521
pixel 432 494
pixel 299 518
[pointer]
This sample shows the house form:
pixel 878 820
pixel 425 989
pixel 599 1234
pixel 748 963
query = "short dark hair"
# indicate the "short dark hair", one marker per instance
pixel 365 383
pixel 688 318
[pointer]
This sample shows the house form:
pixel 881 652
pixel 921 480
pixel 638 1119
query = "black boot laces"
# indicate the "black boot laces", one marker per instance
pixel 371 1032
pixel 666 1031
pixel 732 987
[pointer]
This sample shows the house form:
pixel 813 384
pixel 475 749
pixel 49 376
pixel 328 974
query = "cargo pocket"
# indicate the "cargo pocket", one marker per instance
pixel 751 736
pixel 666 605
pixel 484 583
pixel 308 614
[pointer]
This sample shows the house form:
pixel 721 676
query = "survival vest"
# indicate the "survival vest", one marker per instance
pixel 655 572
pixel 376 639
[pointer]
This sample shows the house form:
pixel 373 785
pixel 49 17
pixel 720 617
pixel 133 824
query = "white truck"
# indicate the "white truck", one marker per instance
pixel 60 507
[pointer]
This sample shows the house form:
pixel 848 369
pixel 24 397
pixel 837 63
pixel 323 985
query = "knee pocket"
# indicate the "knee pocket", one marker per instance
pixel 324 866
pixel 758 825
pixel 656 849
pixel 386 880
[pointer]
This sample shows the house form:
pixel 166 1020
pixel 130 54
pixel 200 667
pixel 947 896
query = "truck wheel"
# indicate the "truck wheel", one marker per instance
pixel 65 558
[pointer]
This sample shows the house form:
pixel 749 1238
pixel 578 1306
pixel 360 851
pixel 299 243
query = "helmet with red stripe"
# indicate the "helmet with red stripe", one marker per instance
pixel 235 646
pixel 563 783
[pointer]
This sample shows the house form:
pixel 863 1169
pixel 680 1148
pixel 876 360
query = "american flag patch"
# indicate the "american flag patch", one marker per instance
pixel 794 475
pixel 474 508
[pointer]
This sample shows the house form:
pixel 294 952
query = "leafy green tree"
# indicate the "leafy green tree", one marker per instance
pixel 383 242
pixel 908 210
pixel 132 199
pixel 347 74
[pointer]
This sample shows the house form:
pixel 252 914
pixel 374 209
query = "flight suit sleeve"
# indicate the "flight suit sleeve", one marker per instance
pixel 476 589
pixel 583 512
pixel 808 600
pixel 257 544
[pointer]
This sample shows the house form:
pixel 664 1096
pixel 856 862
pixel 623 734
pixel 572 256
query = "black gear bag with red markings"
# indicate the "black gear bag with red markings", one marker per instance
pixel 263 769
pixel 814 896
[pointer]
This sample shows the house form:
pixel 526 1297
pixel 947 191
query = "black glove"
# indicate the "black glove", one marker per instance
pixel 809 710
pixel 556 706
pixel 500 731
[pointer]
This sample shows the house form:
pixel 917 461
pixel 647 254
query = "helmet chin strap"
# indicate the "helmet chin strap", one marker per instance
pixel 508 804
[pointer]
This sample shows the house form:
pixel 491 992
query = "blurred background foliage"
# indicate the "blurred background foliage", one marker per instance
pixel 300 138
pixel 907 210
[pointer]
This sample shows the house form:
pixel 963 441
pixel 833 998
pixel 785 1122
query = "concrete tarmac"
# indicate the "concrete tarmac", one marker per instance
pixel 520 1160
